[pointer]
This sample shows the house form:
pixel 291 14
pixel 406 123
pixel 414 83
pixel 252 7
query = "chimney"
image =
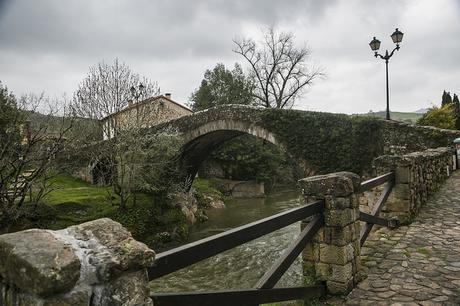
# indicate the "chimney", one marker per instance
pixel 168 95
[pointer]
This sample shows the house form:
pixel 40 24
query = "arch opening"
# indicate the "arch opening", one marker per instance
pixel 214 136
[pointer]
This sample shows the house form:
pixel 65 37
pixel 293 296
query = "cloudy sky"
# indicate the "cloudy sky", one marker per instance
pixel 48 45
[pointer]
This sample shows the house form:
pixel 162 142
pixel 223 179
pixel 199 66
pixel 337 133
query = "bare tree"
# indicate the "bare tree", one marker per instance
pixel 29 142
pixel 279 69
pixel 107 90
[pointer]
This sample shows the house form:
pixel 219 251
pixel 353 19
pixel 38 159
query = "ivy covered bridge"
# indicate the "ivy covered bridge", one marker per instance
pixel 319 142
pixel 99 263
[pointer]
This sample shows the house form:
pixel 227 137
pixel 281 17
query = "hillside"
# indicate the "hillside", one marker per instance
pixel 411 117
pixel 53 125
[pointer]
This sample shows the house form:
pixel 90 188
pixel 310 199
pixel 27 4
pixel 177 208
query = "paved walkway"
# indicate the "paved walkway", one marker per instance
pixel 417 264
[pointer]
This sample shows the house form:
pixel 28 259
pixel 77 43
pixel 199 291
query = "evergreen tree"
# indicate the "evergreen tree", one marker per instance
pixel 446 99
pixel 222 86
pixel 456 110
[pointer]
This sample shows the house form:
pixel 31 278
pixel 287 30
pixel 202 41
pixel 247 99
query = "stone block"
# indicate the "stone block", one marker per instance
pixel 94 263
pixel 323 271
pixel 75 298
pixel 397 205
pixel 339 184
pixel 338 288
pixel 37 262
pixel 128 289
pixel 342 273
pixel 401 191
pixel 337 203
pixel 338 255
pixel 310 252
pixel 403 175
pixel 115 249
pixel 339 218
pixel 339 236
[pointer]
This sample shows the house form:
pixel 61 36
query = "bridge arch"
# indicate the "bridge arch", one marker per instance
pixel 200 142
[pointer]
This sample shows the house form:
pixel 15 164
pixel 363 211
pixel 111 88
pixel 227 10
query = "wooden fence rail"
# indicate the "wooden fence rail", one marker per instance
pixel 373 218
pixel 181 257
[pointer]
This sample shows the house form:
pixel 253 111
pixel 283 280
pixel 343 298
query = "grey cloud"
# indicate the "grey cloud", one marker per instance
pixel 49 44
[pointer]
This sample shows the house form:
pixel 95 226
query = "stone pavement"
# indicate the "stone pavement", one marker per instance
pixel 417 264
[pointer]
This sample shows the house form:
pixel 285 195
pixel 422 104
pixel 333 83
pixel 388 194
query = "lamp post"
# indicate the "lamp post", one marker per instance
pixel 137 92
pixel 375 45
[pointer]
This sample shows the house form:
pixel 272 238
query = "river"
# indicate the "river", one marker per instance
pixel 240 267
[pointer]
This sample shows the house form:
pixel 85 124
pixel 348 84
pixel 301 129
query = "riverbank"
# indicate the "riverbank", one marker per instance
pixel 73 201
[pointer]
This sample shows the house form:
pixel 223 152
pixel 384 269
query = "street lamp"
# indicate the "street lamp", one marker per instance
pixel 137 92
pixel 375 46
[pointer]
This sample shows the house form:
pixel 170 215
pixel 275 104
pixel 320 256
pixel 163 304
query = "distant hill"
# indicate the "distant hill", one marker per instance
pixel 422 110
pixel 53 125
pixel 399 116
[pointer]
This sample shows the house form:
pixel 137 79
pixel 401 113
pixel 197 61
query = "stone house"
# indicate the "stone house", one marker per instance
pixel 143 114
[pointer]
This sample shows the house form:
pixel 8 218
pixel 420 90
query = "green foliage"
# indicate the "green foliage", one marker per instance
pixel 155 157
pixel 206 186
pixel 10 118
pixel 250 158
pixel 330 142
pixel 456 107
pixel 443 117
pixel 222 86
pixel 204 190
pixel 73 201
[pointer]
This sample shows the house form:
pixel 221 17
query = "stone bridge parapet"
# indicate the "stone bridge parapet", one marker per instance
pixel 94 263
pixel 418 175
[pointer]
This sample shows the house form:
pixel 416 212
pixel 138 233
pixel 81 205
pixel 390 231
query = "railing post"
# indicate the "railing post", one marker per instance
pixel 334 253
pixel 398 204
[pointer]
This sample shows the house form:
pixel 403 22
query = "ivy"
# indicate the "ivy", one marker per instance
pixel 327 142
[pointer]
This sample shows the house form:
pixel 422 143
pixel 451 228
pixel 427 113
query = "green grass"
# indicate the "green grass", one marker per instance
pixel 207 186
pixel 77 201
pixel 74 201
pixel 424 251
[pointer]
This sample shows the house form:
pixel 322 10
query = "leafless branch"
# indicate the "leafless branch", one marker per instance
pixel 281 71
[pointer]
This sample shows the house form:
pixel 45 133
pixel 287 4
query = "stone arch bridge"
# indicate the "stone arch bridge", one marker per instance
pixel 318 142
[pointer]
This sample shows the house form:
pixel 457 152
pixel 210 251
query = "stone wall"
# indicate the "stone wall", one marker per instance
pixel 94 263
pixel 402 138
pixel 418 175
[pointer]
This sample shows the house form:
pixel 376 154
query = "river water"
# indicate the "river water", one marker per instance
pixel 240 267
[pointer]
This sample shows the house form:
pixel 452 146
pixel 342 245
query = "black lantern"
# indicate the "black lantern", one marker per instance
pixel 375 44
pixel 397 36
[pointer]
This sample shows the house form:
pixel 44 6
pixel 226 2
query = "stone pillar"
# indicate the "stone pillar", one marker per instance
pixel 398 204
pixel 334 253
pixel 94 263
